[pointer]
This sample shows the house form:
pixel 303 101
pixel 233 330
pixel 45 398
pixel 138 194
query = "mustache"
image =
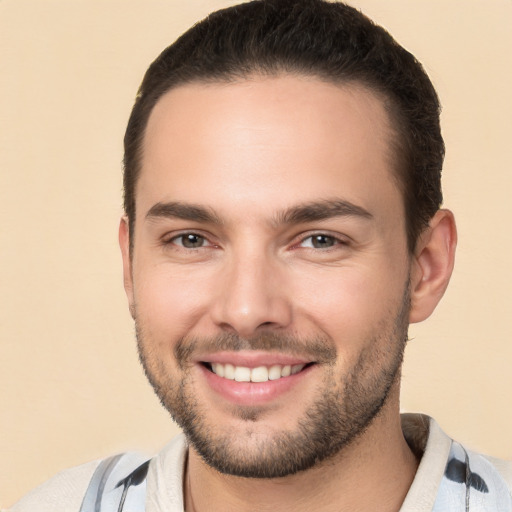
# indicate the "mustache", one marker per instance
pixel 317 349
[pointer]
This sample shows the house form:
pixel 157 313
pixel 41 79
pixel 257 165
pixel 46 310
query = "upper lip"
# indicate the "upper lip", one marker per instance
pixel 252 359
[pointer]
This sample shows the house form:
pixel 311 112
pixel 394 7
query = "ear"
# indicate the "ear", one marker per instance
pixel 432 265
pixel 124 244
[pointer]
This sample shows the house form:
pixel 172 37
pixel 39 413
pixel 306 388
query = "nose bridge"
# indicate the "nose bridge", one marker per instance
pixel 251 295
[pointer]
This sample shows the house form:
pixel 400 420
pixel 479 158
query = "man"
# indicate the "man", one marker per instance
pixel 282 228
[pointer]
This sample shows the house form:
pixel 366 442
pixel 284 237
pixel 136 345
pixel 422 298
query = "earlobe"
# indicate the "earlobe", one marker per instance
pixel 124 244
pixel 432 265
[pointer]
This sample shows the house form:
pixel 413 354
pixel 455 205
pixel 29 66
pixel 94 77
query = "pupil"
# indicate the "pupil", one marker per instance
pixel 322 241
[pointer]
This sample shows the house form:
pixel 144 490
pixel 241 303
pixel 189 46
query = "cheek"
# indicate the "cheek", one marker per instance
pixel 169 301
pixel 351 304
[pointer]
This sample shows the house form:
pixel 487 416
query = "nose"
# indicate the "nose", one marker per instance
pixel 252 296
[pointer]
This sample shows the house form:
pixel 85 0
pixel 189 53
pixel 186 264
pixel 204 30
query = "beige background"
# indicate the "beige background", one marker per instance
pixel 70 385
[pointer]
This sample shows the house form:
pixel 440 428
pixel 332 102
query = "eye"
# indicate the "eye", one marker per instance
pixel 320 241
pixel 190 241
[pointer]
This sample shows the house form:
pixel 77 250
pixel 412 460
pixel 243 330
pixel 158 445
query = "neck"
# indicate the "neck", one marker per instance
pixel 373 473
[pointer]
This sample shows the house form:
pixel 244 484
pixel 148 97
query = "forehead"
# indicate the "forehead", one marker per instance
pixel 268 141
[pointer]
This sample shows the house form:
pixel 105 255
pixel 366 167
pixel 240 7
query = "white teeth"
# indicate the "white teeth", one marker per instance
pixel 296 368
pixel 218 369
pixel 258 374
pixel 229 371
pixel 274 372
pixel 286 371
pixel 242 374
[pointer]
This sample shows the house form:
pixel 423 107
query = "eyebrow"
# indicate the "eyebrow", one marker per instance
pixel 321 210
pixel 184 211
pixel 302 213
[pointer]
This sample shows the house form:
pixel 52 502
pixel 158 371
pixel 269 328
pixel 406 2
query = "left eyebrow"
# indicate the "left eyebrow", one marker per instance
pixel 321 210
pixel 184 211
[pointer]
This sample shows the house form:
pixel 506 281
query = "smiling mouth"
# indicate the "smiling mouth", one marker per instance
pixel 258 374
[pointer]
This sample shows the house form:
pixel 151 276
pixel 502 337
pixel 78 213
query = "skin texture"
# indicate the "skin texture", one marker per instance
pixel 233 262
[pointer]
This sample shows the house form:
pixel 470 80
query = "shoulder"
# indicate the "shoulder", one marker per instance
pixel 63 492
pixel 449 473
pixel 67 489
pixel 503 467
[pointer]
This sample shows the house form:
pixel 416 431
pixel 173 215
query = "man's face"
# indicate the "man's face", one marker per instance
pixel 270 246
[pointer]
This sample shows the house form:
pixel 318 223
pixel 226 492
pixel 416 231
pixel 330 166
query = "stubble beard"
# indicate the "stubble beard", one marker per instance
pixel 344 406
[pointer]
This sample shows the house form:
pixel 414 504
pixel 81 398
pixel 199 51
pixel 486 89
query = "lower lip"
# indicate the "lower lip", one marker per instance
pixel 253 393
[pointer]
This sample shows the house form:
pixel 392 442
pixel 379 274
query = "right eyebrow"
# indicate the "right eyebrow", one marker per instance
pixel 184 211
